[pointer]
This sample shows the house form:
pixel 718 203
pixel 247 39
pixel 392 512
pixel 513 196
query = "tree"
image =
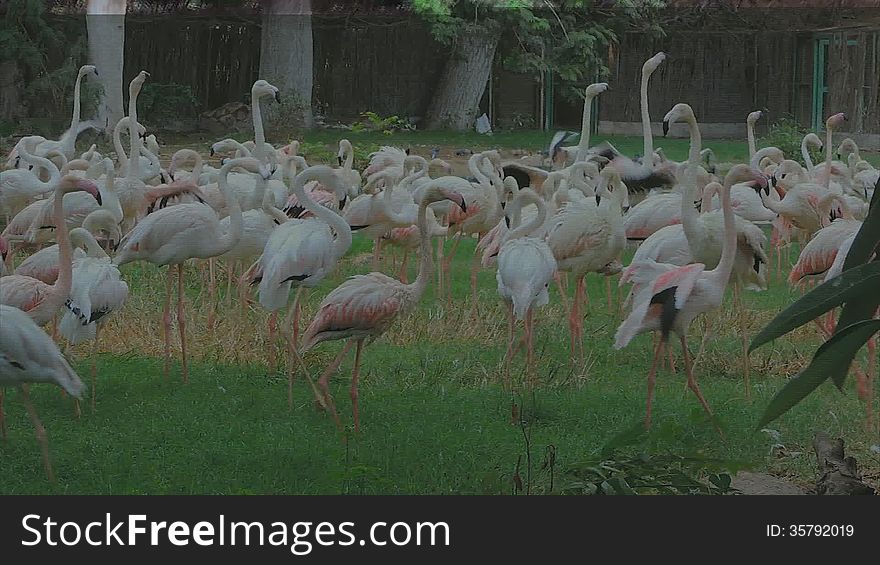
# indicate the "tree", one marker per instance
pixel 105 22
pixel 568 40
pixel 286 56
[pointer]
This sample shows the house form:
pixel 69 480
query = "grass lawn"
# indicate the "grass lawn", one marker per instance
pixel 435 417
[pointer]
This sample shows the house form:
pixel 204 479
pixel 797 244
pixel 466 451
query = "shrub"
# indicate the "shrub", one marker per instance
pixel 371 121
pixel 163 105
pixel 787 133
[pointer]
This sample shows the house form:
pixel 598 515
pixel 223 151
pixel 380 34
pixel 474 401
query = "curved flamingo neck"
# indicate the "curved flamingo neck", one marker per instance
pixel 750 133
pixel 586 123
pixel 805 154
pixel 827 173
pixel 523 198
pixel 337 223
pixel 41 162
pixel 232 236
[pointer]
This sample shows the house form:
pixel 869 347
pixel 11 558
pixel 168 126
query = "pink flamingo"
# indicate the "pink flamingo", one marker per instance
pixel 365 306
pixel 525 268
pixel 40 300
pixel 668 297
pixel 97 292
pixel 301 252
pixel 820 253
pixel 28 355
pixel 174 234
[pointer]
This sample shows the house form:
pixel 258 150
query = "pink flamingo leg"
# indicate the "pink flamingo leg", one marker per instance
pixel 230 267
pixel 166 319
pixel 292 339
pixel 872 370
pixel 563 296
pixel 95 365
pixel 181 319
pixel 652 379
pixel 440 243
pixel 447 266
pixel 377 251
pixel 325 377
pixel 692 381
pixel 355 377
pixel 743 332
pixel 39 429
pixel 404 275
pixel 581 296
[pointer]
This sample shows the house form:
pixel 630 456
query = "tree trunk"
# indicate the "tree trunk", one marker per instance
pixel 838 474
pixel 106 51
pixel 457 98
pixel 10 92
pixel 286 59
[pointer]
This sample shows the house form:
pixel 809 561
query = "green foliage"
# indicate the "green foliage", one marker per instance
pixel 787 133
pixel 163 104
pixel 47 56
pixel 616 470
pixel 371 121
pixel 568 40
pixel 856 290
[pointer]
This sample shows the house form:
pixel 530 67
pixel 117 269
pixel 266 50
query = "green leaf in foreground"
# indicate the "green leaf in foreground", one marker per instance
pixel 851 284
pixel 833 357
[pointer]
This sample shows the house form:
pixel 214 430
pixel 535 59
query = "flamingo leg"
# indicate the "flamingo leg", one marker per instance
pixel 95 365
pixel 355 377
pixel 181 319
pixel 212 294
pixel 692 381
pixel 447 266
pixel 563 296
pixel 166 319
pixel 652 379
pixel 580 296
pixel 293 319
pixel 377 249
pixel 872 370
pixel 39 429
pixel 2 414
pixel 323 383
pixel 404 275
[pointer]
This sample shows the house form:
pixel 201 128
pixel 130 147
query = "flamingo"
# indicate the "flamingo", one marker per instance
pixel 820 253
pixel 669 297
pixel 44 265
pixel 97 292
pixel 364 306
pixel 19 186
pixel 40 300
pixel 303 252
pixel 131 188
pixel 586 237
pixel 525 268
pixel 28 355
pixel 4 251
pixel 191 230
pixel 750 131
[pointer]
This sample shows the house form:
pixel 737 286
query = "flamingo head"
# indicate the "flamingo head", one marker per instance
pixel 678 113
pixel 454 196
pixel 651 64
pixel 754 116
pixel 88 69
pixel 263 88
pixel 70 183
pixel 596 88
pixel 835 121
pixel 4 249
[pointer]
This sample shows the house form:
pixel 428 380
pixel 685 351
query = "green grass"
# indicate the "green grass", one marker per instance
pixel 435 417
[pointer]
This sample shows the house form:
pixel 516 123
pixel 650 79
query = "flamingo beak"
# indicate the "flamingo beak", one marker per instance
pixel 211 153
pixel 665 127
pixel 343 201
pixel 278 96
pixel 507 221
pixel 339 159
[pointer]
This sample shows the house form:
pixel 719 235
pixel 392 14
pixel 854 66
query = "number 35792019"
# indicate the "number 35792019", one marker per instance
pixel 810 530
